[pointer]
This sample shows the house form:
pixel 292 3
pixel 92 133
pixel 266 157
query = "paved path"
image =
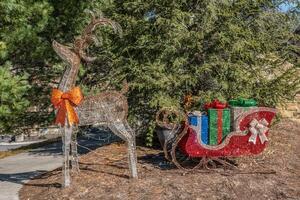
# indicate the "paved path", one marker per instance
pixel 19 169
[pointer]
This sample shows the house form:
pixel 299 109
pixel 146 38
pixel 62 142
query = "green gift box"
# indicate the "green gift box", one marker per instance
pixel 241 102
pixel 219 125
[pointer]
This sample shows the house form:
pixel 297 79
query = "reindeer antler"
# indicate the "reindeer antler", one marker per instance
pixel 88 37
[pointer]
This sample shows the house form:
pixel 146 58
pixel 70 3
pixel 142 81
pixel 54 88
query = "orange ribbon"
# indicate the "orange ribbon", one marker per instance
pixel 65 103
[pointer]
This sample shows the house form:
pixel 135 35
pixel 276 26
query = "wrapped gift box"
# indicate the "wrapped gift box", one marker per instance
pixel 199 123
pixel 219 125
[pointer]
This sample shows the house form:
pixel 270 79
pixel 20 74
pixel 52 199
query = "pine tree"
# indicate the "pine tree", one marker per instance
pixel 211 49
pixel 27 29
pixel 13 102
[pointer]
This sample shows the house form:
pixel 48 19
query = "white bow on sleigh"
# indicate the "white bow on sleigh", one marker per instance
pixel 258 128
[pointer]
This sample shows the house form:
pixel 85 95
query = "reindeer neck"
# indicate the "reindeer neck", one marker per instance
pixel 68 80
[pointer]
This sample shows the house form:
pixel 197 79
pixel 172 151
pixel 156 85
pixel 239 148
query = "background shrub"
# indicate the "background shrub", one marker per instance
pixel 210 49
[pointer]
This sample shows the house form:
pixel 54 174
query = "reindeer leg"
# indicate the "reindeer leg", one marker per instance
pixel 123 130
pixel 74 152
pixel 66 140
pixel 132 157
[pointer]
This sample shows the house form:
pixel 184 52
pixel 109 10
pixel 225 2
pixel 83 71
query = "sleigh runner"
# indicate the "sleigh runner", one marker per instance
pixel 185 142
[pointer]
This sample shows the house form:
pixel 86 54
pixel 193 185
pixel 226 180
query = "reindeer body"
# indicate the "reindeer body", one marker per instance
pixel 91 109
pixel 108 108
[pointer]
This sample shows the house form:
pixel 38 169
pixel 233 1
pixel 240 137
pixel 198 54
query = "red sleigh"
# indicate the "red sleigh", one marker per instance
pixel 250 138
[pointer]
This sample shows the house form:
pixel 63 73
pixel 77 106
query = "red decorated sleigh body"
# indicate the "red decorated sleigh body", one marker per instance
pixel 249 138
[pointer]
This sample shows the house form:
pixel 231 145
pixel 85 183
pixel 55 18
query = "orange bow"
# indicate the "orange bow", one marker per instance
pixel 65 103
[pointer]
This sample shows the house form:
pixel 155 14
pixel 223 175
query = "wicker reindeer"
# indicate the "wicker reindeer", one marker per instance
pixel 109 108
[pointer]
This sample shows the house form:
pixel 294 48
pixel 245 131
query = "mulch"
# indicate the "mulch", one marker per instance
pixel 274 174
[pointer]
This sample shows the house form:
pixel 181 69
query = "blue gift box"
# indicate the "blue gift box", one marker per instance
pixel 204 129
pixel 195 120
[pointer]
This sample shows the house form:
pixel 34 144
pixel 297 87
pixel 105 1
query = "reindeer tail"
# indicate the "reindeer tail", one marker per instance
pixel 125 87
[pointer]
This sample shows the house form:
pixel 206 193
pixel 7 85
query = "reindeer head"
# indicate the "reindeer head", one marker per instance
pixel 73 55
pixel 86 38
pixel 66 53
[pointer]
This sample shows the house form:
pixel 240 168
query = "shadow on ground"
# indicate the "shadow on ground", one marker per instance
pixel 20 177
pixel 157 161
pixel 90 139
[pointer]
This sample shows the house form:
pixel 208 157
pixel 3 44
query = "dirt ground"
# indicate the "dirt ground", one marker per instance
pixel 275 174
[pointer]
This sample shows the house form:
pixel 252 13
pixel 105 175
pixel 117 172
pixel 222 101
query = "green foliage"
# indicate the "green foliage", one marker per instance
pixel 22 23
pixel 13 102
pixel 26 45
pixel 211 49
pixel 27 29
pixel 224 49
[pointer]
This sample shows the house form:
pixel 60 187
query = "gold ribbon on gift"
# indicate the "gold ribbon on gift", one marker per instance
pixel 65 103
pixel 258 128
